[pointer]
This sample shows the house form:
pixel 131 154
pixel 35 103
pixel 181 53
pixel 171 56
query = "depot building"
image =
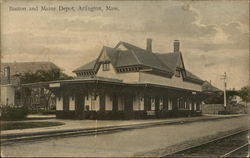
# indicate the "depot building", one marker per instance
pixel 128 82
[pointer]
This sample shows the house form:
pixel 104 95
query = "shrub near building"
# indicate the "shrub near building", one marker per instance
pixel 13 113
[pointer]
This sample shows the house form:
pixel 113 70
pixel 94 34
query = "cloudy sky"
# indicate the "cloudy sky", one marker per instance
pixel 213 34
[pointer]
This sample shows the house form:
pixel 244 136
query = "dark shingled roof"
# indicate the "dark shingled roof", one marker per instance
pixel 169 59
pixel 126 58
pixel 145 58
pixel 88 66
pixel 191 75
pixel 112 54
pixel 133 55
pixel 208 87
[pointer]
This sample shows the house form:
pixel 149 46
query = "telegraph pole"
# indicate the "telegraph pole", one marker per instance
pixel 225 88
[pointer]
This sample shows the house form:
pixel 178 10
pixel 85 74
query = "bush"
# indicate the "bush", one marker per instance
pixel 13 113
pixel 24 125
pixel 41 111
pixel 225 112
pixel 48 112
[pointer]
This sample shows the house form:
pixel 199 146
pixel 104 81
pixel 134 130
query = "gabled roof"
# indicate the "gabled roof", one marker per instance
pixel 145 58
pixel 22 67
pixel 91 66
pixel 133 55
pixel 208 87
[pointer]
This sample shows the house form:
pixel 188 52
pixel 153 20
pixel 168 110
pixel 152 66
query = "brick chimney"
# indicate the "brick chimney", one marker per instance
pixel 149 45
pixel 176 46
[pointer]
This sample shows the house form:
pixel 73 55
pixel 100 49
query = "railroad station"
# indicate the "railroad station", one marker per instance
pixel 128 82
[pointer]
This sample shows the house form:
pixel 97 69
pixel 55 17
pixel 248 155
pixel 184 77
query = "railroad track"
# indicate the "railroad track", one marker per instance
pixel 238 151
pixel 233 145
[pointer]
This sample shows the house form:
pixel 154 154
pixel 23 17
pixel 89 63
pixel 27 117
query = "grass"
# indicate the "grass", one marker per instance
pixel 25 125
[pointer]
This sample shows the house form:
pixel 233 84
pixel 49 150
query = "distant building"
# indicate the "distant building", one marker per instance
pixel 10 79
pixel 214 103
pixel 10 72
pixel 129 82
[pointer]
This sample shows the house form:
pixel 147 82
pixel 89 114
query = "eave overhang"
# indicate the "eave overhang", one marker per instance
pixel 100 81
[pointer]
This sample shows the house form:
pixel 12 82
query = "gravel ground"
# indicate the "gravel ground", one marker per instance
pixel 153 141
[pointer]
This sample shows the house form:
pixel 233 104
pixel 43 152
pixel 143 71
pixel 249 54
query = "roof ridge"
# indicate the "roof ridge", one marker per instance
pixel 118 44
pixel 98 58
pixel 107 47
pixel 127 45
pixel 137 59
pixel 135 46
pixel 112 53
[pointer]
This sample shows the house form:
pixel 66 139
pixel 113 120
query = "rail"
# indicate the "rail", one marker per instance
pixel 209 142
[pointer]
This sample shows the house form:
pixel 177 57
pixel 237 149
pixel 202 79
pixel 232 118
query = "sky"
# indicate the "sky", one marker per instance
pixel 214 35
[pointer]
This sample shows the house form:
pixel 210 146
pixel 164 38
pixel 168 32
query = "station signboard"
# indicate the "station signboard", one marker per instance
pixel 54 85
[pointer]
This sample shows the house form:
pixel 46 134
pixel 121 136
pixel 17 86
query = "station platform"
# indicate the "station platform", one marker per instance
pixel 76 125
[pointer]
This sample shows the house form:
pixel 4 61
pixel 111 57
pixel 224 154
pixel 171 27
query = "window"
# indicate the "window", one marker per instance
pixel 142 99
pixel 152 103
pixel 178 102
pixel 190 105
pixel 170 107
pixel 93 96
pixel 105 67
pixel 141 106
pixel 198 106
pixel 178 73
pixel 160 103
pixel 6 69
pixel 87 107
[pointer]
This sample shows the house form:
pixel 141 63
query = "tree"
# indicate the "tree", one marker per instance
pixel 244 93
pixel 216 98
pixel 42 76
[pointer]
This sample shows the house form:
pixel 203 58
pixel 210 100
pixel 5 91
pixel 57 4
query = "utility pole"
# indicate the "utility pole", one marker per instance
pixel 225 88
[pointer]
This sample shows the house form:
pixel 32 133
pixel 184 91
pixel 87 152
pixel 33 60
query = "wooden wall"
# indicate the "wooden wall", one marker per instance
pixel 172 82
